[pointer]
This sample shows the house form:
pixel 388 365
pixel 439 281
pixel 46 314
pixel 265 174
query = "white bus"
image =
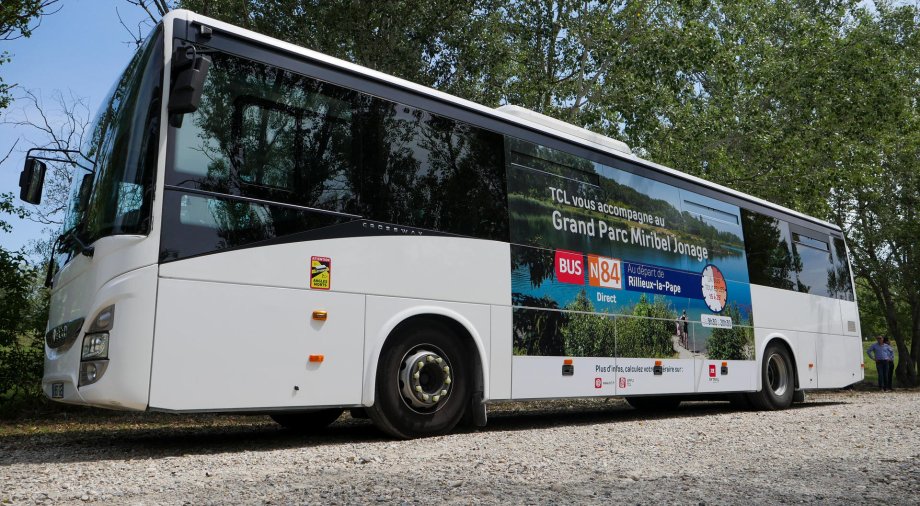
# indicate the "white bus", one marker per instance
pixel 269 229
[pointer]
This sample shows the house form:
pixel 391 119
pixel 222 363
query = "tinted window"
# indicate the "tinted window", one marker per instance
pixel 124 145
pixel 839 281
pixel 814 264
pixel 769 255
pixel 265 133
pixel 795 259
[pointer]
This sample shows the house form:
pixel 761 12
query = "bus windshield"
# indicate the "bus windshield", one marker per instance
pixel 115 197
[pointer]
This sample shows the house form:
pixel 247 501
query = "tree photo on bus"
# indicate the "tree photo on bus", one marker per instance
pixel 626 261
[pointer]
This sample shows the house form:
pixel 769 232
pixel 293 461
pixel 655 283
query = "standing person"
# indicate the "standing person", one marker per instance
pixel 685 336
pixel 887 344
pixel 883 359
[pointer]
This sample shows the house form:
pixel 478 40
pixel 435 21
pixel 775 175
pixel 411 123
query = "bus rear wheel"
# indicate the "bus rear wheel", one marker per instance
pixel 307 421
pixel 777 380
pixel 422 382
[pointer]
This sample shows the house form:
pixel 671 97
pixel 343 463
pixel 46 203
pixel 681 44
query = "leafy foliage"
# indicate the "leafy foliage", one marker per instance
pixel 538 326
pixel 23 313
pixel 648 333
pixel 588 334
pixel 736 343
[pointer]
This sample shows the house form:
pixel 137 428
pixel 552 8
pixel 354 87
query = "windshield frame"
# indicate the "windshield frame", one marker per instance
pixel 124 135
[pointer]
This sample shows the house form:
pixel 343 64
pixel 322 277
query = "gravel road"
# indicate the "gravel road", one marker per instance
pixel 851 447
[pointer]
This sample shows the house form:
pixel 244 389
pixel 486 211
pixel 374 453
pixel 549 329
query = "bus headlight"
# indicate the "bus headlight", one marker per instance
pixel 95 346
pixel 90 372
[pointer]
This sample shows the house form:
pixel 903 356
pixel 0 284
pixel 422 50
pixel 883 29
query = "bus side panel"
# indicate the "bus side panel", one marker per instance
pixel 839 360
pixel 538 377
pixel 726 375
pixel 225 346
pixel 422 267
pixel 637 376
pixel 784 309
pixel 500 357
pixel 805 348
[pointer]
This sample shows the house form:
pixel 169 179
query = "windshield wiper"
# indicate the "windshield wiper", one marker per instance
pixel 73 235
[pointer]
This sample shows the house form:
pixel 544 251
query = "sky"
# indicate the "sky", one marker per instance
pixel 80 50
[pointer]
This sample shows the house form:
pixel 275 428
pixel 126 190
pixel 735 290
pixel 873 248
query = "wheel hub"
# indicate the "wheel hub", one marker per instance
pixel 425 379
pixel 777 375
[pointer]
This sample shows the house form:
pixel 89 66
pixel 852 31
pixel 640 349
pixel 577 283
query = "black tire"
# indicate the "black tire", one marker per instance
pixel 654 403
pixel 308 421
pixel 400 409
pixel 740 401
pixel 777 375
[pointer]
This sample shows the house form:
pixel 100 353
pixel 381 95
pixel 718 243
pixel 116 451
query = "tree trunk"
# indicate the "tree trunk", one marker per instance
pixel 907 362
pixel 906 370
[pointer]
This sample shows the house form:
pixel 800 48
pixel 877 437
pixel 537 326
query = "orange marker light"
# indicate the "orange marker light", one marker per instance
pixel 657 363
pixel 320 315
pixel 567 361
pixel 810 365
pixel 724 364
pixel 863 365
pixel 317 358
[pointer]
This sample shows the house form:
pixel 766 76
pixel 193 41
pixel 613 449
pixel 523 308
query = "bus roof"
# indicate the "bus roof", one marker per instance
pixel 515 116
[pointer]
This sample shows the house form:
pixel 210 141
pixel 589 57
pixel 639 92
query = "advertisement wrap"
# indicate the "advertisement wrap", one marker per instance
pixel 607 263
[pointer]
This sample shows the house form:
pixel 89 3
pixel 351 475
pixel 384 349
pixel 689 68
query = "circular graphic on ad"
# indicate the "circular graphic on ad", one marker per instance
pixel 715 292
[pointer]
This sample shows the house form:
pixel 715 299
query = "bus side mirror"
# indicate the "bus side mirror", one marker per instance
pixel 189 70
pixel 31 180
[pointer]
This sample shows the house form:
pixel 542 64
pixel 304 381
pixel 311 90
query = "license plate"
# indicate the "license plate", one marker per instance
pixel 57 390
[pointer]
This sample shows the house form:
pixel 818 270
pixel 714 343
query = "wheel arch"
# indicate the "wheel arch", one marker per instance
pixel 465 330
pixel 783 341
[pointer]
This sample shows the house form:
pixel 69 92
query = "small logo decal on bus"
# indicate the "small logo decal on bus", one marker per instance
pixel 320 273
pixel 605 272
pixel 598 382
pixel 570 267
pixel 715 291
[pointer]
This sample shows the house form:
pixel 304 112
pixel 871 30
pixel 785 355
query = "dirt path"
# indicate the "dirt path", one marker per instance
pixel 840 447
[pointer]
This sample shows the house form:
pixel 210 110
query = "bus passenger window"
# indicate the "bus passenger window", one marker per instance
pixel 767 245
pixel 813 264
pixel 839 282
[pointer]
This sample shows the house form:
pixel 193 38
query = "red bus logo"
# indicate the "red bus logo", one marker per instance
pixel 622 382
pixel 712 370
pixel 598 382
pixel 570 267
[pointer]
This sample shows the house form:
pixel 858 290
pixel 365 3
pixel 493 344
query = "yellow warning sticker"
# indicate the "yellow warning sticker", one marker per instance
pixel 320 273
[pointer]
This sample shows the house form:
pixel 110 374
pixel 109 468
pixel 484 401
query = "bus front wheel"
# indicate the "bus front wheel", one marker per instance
pixel 777 380
pixel 422 382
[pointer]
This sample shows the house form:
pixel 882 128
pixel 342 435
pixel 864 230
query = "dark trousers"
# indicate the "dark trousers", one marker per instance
pixel 890 373
pixel 885 369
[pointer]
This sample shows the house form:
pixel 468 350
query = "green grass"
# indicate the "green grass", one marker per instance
pixel 871 371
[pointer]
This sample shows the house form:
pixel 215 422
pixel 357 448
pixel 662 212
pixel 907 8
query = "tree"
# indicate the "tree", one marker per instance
pixel 647 332
pixel 736 343
pixel 877 188
pixel 23 312
pixel 588 334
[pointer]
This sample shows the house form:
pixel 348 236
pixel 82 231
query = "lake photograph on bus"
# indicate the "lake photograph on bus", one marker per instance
pixel 632 279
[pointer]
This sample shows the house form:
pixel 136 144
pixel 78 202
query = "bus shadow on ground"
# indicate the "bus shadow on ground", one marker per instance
pixel 616 412
pixel 112 440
